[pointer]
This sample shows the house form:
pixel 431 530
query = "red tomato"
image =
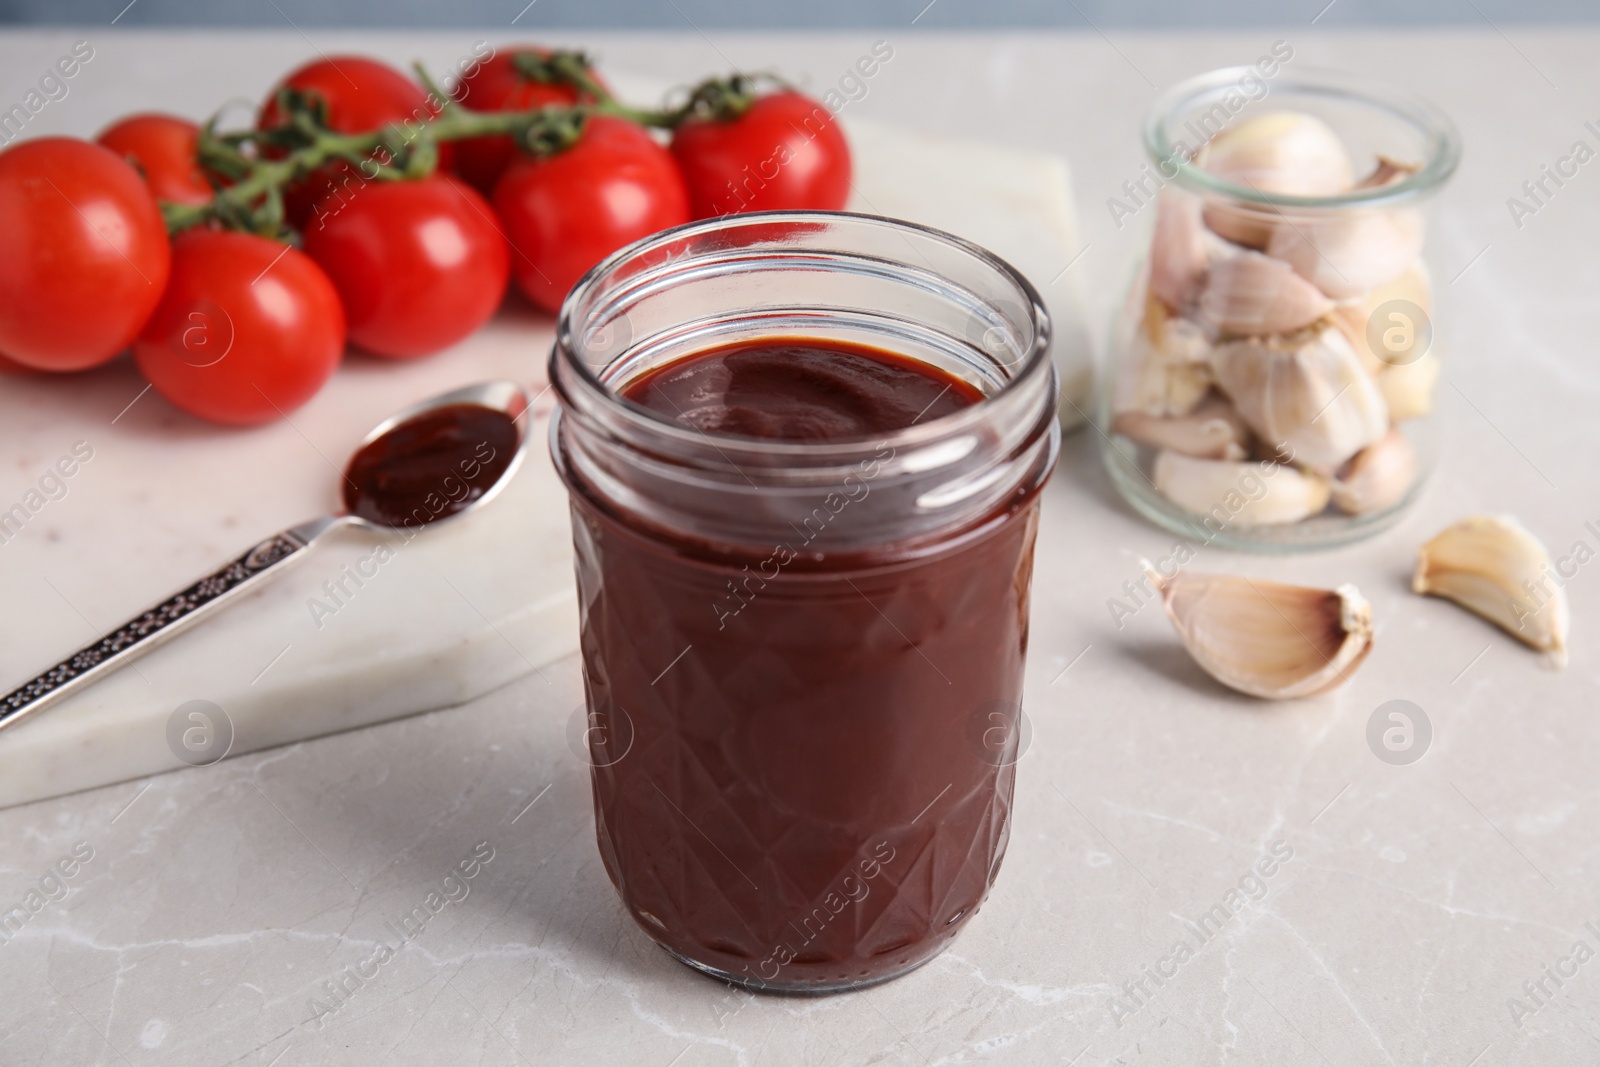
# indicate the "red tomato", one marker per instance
pixel 248 329
pixel 361 95
pixel 785 152
pixel 496 85
pixel 164 147
pixel 83 253
pixel 11 366
pixel 567 212
pixel 418 265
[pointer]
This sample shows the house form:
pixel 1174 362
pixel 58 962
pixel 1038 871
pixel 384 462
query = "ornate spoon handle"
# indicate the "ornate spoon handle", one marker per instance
pixel 165 620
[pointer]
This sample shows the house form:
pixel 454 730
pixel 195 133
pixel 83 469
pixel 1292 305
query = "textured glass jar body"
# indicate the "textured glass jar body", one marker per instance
pixel 803 661
pixel 1273 367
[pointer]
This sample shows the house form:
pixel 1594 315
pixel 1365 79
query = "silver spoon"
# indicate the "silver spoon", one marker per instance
pixel 372 490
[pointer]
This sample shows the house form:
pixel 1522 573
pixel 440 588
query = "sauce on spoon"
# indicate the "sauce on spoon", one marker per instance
pixel 431 466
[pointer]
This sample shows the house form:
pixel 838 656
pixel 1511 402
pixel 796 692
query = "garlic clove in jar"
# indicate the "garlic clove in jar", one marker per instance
pixel 1378 477
pixel 1182 250
pixel 1348 253
pixel 1387 172
pixel 1268 639
pixel 1166 369
pixel 1239 493
pixel 1241 224
pixel 1491 565
pixel 1408 388
pixel 1251 294
pixel 1354 317
pixel 1306 394
pixel 1287 153
pixel 1213 430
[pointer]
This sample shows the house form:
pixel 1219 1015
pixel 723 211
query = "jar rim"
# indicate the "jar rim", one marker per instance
pixel 1440 133
pixel 1028 367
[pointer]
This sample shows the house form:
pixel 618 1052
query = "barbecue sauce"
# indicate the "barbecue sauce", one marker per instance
pixel 804 792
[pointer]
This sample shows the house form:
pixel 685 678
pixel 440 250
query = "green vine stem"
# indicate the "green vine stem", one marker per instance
pixel 724 99
pixel 256 166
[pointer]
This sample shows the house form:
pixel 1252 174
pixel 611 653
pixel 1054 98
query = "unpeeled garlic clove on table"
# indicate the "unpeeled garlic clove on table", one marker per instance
pixel 1251 294
pixel 1378 477
pixel 1182 250
pixel 1305 394
pixel 1491 565
pixel 1166 370
pixel 1351 252
pixel 1407 388
pixel 1287 153
pixel 1213 430
pixel 1268 639
pixel 1239 493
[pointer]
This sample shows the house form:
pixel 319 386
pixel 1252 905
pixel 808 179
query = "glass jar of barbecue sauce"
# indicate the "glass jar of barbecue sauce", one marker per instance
pixel 804 452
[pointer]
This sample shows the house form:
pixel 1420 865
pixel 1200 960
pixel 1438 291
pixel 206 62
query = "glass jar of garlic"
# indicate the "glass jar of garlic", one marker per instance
pixel 1273 367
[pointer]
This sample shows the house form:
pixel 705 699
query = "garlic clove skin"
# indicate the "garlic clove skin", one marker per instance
pixel 1491 565
pixel 1241 224
pixel 1349 253
pixel 1289 153
pixel 1166 370
pixel 1306 395
pixel 1237 492
pixel 1414 285
pixel 1387 172
pixel 1378 477
pixel 1182 250
pixel 1251 294
pixel 1268 639
pixel 1408 388
pixel 1213 430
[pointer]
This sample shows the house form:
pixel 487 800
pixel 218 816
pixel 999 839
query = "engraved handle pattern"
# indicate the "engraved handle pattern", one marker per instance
pixel 139 635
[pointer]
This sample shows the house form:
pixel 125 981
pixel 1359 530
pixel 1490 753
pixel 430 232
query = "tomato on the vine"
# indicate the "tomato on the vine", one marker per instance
pixel 361 95
pixel 248 330
pixel 497 85
pixel 419 265
pixel 85 254
pixel 165 149
pixel 566 212
pixel 786 151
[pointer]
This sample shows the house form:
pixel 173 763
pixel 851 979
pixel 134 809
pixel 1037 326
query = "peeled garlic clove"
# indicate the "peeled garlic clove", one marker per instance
pixel 1182 250
pixel 1213 430
pixel 1306 395
pixel 1285 152
pixel 1251 294
pixel 1491 565
pixel 1408 388
pixel 1268 639
pixel 1239 493
pixel 1166 369
pixel 1377 477
pixel 1414 286
pixel 1348 253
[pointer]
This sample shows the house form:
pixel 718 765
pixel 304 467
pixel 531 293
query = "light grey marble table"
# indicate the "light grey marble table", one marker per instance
pixel 216 907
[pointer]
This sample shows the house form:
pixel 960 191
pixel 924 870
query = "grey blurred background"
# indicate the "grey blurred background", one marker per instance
pixel 811 14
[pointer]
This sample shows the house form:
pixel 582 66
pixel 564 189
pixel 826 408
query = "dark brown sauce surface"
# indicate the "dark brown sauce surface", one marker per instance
pixel 430 467
pixel 799 389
